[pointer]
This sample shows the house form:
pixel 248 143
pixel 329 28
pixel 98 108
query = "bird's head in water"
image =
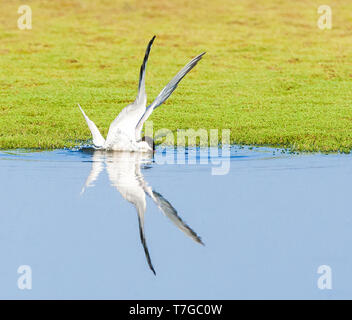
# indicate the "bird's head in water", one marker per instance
pixel 150 142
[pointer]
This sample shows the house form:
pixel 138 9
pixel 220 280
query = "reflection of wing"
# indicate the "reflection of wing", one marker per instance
pixel 144 242
pixel 97 167
pixel 169 211
pixel 121 167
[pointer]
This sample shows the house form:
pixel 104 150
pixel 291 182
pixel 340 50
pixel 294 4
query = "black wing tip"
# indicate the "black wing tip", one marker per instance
pixel 198 239
pixel 151 41
pixel 196 59
pixel 150 264
pixel 148 50
pixel 200 56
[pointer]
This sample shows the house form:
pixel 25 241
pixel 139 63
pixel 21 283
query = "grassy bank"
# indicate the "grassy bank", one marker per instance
pixel 270 74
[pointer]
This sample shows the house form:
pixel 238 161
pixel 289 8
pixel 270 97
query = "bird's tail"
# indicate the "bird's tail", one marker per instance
pixel 98 139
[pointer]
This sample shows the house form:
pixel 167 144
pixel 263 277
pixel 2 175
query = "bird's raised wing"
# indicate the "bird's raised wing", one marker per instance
pixel 141 97
pixel 98 139
pixel 166 92
pixel 128 118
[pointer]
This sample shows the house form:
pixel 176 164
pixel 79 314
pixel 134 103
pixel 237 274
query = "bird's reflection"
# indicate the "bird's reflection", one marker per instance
pixel 124 171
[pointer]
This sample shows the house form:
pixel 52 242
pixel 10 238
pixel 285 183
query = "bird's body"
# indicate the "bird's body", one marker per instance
pixel 120 141
pixel 125 131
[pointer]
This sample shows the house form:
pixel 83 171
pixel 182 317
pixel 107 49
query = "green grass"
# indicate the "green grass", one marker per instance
pixel 270 74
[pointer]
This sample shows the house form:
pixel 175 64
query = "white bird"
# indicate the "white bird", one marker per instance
pixel 125 131
pixel 124 171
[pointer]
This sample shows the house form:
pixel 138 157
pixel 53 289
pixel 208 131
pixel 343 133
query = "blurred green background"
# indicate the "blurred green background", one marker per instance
pixel 270 74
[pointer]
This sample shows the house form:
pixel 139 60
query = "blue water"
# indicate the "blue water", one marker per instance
pixel 267 225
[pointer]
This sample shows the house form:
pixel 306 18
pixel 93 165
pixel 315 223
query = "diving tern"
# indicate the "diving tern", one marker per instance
pixel 125 131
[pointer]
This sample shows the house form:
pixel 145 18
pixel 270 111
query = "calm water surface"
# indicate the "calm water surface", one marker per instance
pixel 267 225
